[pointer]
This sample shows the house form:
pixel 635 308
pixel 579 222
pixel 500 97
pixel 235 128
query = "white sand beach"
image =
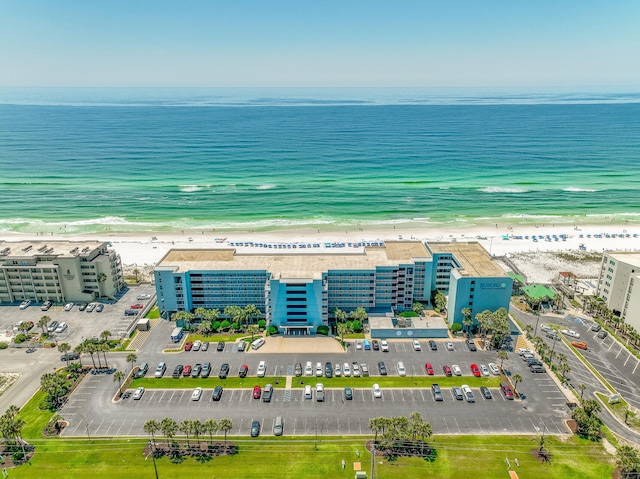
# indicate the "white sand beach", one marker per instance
pixel 537 259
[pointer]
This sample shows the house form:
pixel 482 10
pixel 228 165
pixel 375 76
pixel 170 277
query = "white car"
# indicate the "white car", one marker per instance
pixel 262 369
pixel 196 345
pixel 68 306
pixel 468 394
pixel 137 394
pixel 456 370
pixel 495 370
pixel 450 345
pixel 346 370
pixel 571 333
pixel 61 328
pixel 25 304
pixel 90 307
pixel 384 345
pixel 484 370
pixel 195 395
pixel 308 369
pixel 358 344
pixel 416 345
pixel 356 370
pixel 337 372
pixel 377 392
pixel 319 370
pixel 144 297
pixel 319 392
pixel 522 351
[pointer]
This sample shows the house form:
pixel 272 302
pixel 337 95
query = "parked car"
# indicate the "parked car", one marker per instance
pixel 571 333
pixel 308 369
pixel 224 371
pixel 188 346
pixel 196 394
pixel 364 369
pixel 382 368
pixel 242 346
pixel 367 345
pixel 255 428
pixel 136 306
pixel 433 345
pixel 603 334
pixel 308 394
pixel 196 345
pixel 446 370
pixel 62 327
pixel 495 370
pixel 68 306
pixel 437 392
pixel 46 305
pixel 197 369
pixel 257 392
pixel 242 372
pixel 346 370
pixel 468 394
pixel 416 345
pixel 358 344
pixel 69 356
pixel 457 393
pixel 186 372
pixel 450 346
pixel 298 370
pixel 522 351
pixel 82 306
pixel 267 393
pixel 90 307
pixel 160 369
pixel 320 392
pixel 337 371
pixel 506 390
pixel 100 308
pixel 377 392
pixel 596 327
pixel 177 371
pixel 429 369
pixel 537 368
pixel 144 297
pixel 328 370
pixel 384 346
pixel 205 346
pixel 375 344
pixel 484 370
pixel 262 369
pixel 456 370
pixel 471 345
pixel 475 370
pixel 348 393
pixel 206 370
pixel 52 326
pixel 142 371
pixel 25 304
pixel 217 393
pixel 355 368
pixel 137 394
pixel 486 392
pixel 220 346
pixel 319 370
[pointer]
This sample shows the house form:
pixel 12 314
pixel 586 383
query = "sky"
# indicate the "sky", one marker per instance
pixel 344 43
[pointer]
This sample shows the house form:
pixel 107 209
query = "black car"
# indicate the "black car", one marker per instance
pixel 328 370
pixel 217 393
pixel 255 428
pixel 537 368
pixel 348 393
pixel 437 392
pixel 603 334
pixel 267 393
pixel 382 368
pixel 375 344
pixel 486 392
pixel 220 346
pixel 224 371
pixel 206 370
pixel 100 308
pixel 433 345
pixel 69 356
pixel 471 345
pixel 177 371
pixel 298 370
pixel 197 369
pixel 83 306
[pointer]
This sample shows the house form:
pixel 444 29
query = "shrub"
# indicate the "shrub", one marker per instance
pixel 225 324
pixel 3 345
pixel 408 314
pixel 323 330
pixel 271 330
pixel 455 327
pixel 215 326
pixel 20 338
pixel 357 326
pixel 262 324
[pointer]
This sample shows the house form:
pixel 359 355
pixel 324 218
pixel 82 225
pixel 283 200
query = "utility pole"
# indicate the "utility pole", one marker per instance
pixel 153 457
pixel 373 459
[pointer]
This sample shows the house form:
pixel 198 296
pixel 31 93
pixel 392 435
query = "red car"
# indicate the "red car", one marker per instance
pixel 447 370
pixel 429 369
pixel 242 372
pixel 475 370
pixel 136 306
pixel 188 345
pixel 186 372
pixel 257 392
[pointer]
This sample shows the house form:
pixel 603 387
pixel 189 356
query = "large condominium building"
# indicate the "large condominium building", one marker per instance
pixel 619 285
pixel 297 289
pixel 58 271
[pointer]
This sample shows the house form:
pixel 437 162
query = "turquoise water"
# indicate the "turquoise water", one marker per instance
pixel 161 160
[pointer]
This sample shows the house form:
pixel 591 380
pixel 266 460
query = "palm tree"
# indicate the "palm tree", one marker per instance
pixel 211 426
pixel 80 348
pixel 253 329
pixel 516 378
pixel 376 425
pixel 105 335
pixel 528 329
pixel 251 312
pixel 225 425
pixel 91 349
pixel 136 272
pixel 132 358
pixel 42 322
pixel 64 348
pixel 197 428
pixel 339 315
pixel 119 376
pixel 343 328
pixel 151 426
pixel 186 427
pixel 502 356
pixel 104 349
pixel 467 321
pixel 582 387
pixel 168 427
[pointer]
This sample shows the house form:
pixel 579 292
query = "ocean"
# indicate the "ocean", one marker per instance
pixel 127 160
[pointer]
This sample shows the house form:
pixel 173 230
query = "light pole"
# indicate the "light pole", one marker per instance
pixel 535 331
pixel 153 457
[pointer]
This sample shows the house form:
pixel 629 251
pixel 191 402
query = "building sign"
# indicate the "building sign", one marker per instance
pixel 496 285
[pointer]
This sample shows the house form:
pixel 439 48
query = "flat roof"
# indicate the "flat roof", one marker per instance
pixel 473 258
pixel 630 258
pixel 295 265
pixel 33 249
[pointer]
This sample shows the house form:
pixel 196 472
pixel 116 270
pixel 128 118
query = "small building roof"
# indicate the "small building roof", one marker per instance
pixel 538 291
pixel 517 277
pixel 473 258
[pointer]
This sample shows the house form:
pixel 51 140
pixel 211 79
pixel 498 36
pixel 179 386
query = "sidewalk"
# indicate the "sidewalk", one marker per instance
pixel 298 344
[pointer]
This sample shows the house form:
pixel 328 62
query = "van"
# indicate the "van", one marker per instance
pixel 278 426
pixel 176 335
pixel 367 345
pixel 307 392
pixel 401 369
pixel 257 343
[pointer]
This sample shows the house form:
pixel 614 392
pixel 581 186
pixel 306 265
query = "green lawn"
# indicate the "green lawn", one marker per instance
pixel 208 383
